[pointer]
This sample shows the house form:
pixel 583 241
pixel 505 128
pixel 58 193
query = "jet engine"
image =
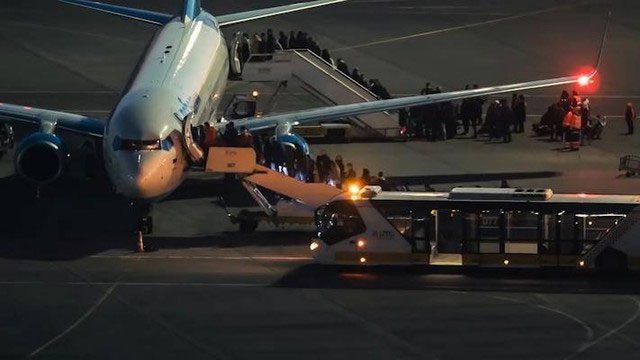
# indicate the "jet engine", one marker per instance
pixel 41 158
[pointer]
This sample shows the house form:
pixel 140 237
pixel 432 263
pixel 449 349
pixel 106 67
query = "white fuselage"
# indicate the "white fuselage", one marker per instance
pixel 183 73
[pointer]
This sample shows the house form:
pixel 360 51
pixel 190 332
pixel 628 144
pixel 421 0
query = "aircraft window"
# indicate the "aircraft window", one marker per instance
pixel 136 145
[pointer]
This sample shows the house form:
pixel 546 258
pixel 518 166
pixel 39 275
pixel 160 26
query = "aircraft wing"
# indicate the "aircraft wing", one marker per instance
pixel 49 120
pixel 151 17
pixel 340 111
pixel 240 17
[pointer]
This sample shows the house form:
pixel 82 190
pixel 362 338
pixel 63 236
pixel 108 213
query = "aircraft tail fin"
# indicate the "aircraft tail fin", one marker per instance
pixel 240 17
pixel 147 16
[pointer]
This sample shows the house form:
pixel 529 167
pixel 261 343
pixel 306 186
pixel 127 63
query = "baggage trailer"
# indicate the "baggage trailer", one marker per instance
pixel 630 164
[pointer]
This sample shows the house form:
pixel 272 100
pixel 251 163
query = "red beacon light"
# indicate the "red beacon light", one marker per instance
pixel 584 80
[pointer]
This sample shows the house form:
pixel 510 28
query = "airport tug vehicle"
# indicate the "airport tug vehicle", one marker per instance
pixel 485 227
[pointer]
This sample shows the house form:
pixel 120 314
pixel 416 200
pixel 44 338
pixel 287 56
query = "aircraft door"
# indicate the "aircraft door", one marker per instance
pixel 239 53
pixel 190 143
pixel 241 106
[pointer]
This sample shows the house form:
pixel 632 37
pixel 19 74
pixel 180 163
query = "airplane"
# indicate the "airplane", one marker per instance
pixel 145 144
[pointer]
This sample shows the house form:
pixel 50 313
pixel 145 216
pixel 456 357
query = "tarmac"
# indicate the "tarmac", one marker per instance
pixel 71 286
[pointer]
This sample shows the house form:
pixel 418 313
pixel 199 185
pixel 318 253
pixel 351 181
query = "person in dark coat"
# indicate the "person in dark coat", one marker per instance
pixel 323 163
pixel 327 57
pixel 491 121
pixel 293 44
pixel 476 112
pixel 520 114
pixel 449 119
pixel 629 117
pixel 230 134
pixel 505 120
pixel 366 177
pixel 283 40
pixel 342 66
pixel 465 113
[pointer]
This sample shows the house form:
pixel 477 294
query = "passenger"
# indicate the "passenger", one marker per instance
pixel 301 40
pixel 323 165
pixel 258 146
pixel 333 177
pixel 327 57
pixel 465 113
pixel 505 121
pixel 447 114
pixel 256 44
pixel 355 75
pixel 629 117
pixel 263 43
pixel 490 126
pixel 230 136
pixel 245 139
pixel 366 177
pixel 350 173
pixel 311 170
pixel 520 114
pixel 342 66
pixel 210 138
pixel 314 47
pixel 292 40
pixel 340 164
pixel 426 90
pixel 268 151
pixel 476 112
pixel 272 44
pixel 283 41
pixel 382 180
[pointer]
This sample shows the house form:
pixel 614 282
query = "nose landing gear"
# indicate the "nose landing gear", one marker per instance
pixel 144 226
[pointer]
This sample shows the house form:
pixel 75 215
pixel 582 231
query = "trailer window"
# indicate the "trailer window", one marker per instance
pixel 450 231
pixel 490 229
pixel 521 232
pixel 338 221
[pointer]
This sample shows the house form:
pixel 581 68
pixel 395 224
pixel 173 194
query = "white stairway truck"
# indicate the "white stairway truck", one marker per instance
pixel 301 198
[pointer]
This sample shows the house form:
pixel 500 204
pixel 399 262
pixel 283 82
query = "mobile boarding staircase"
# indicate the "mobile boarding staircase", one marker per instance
pixel 300 199
pixel 323 81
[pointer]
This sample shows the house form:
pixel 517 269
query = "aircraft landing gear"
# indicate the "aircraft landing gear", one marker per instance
pixel 144 225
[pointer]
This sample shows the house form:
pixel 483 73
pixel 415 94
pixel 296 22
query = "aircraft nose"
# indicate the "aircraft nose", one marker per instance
pixel 144 177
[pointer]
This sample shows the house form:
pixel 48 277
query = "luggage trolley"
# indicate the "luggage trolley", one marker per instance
pixel 630 164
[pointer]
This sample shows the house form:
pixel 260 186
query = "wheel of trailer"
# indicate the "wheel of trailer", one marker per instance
pixel 611 260
pixel 248 226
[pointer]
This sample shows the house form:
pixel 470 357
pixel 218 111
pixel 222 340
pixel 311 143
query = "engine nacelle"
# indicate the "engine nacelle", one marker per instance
pixel 41 158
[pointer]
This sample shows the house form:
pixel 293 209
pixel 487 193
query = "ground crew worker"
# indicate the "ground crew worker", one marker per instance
pixel 572 122
pixel 629 117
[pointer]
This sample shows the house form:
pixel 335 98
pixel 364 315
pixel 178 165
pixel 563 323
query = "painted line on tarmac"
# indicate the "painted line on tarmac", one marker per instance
pixel 75 324
pixel 588 330
pixel 612 332
pixel 186 257
pixel 460 27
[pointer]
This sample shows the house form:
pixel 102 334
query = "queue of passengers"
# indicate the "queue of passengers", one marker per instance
pixel 442 121
pixel 267 43
pixel 341 175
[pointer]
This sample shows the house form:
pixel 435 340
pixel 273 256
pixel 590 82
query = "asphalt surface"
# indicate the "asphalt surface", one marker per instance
pixel 71 287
